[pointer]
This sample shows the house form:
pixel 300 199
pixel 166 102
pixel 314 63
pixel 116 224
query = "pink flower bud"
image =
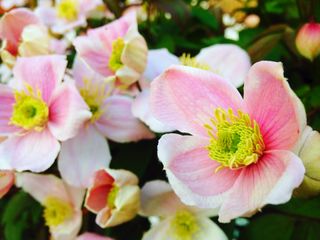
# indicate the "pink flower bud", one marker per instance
pixel 308 40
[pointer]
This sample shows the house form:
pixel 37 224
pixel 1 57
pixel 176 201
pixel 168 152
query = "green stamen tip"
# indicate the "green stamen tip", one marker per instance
pixel 112 196
pixel 115 62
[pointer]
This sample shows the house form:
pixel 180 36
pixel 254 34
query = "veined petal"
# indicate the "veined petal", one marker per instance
pixel 34 151
pixel 82 156
pixel 274 106
pixel 227 60
pixel 184 98
pixel 118 123
pixel 68 112
pixel 191 172
pixel 271 180
pixel 43 73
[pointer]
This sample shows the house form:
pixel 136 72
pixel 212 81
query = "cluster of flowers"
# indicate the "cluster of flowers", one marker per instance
pixel 236 153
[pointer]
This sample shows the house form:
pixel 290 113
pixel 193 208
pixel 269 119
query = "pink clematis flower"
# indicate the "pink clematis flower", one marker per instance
pixel 6 182
pixel 175 220
pixel 116 49
pixel 114 196
pixel 227 60
pixel 23 35
pixel 62 203
pixel 36 112
pixel 65 15
pixel 92 236
pixel 239 154
pixel 111 118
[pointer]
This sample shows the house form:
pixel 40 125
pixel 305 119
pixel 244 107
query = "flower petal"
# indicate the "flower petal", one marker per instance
pixel 41 186
pixel 271 180
pixel 43 73
pixel 6 181
pixel 34 151
pixel 184 98
pixel 92 236
pixel 82 156
pixel 227 60
pixel 275 107
pixel 68 112
pixel 191 172
pixel 118 123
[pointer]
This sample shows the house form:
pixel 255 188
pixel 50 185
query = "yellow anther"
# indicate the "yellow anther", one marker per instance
pixel 115 62
pixel 184 226
pixel 189 61
pixel 56 211
pixel 67 9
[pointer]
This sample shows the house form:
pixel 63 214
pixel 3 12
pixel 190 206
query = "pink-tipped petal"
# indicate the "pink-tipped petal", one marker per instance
pixel 184 98
pixel 68 111
pixel 42 186
pixel 227 60
pixel 275 107
pixel 43 73
pixel 6 182
pixel 97 194
pixel 82 156
pixel 92 236
pixel 118 122
pixel 141 110
pixel 191 172
pixel 34 151
pixel 12 25
pixel 271 180
pixel 7 101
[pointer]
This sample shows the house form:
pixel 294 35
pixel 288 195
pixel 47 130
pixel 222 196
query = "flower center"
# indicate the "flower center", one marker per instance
pixel 115 58
pixel 187 60
pixel 56 211
pixel 235 141
pixel 184 225
pixel 112 197
pixel 29 110
pixel 67 9
pixel 94 96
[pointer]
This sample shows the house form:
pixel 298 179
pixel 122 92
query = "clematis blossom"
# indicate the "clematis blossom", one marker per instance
pixel 115 50
pixel 23 35
pixel 37 112
pixel 114 196
pixel 65 15
pixel 111 118
pixel 227 60
pixel 239 156
pixel 176 220
pixel 61 202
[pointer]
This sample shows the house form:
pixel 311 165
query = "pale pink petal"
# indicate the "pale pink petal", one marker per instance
pixel 118 123
pixel 275 107
pixel 12 25
pixel 155 67
pixel 34 151
pixel 82 156
pixel 61 26
pixel 85 6
pixel 184 98
pixel 46 14
pixel 191 172
pixel 94 54
pixel 6 182
pixel 92 236
pixel 271 180
pixel 7 101
pixel 41 186
pixel 227 60
pixel 43 73
pixel 141 110
pixel 97 194
pixel 68 111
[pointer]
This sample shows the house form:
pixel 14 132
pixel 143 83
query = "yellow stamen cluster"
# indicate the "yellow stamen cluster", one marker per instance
pixel 189 61
pixel 29 110
pixel 94 95
pixel 184 225
pixel 236 140
pixel 67 9
pixel 56 211
pixel 112 197
pixel 115 62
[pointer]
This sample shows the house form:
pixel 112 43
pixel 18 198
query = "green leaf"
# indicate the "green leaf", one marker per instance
pixel 205 17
